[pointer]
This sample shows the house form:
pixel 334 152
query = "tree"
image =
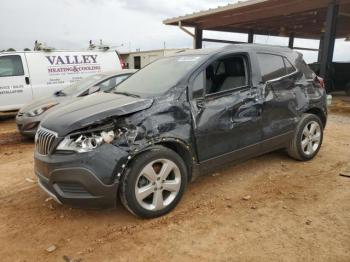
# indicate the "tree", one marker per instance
pixel 26 49
pixel 11 50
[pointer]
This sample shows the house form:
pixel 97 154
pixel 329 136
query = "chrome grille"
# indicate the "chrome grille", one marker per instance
pixel 44 140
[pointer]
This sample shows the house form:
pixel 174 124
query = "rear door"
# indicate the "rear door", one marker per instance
pixel 15 88
pixel 280 104
pixel 225 108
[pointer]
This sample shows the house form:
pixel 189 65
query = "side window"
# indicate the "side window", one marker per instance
pixel 119 79
pixel 104 85
pixel 220 68
pixel 306 69
pixel 111 83
pixel 289 67
pixel 271 66
pixel 11 66
pixel 198 86
pixel 226 74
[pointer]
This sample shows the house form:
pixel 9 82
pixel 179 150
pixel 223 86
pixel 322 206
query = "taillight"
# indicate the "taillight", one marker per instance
pixel 122 63
pixel 121 60
pixel 320 81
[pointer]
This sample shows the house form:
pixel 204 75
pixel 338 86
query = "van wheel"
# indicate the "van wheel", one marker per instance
pixel 307 139
pixel 154 183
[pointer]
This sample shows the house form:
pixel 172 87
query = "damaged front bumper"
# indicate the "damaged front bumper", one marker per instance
pixel 88 180
pixel 27 126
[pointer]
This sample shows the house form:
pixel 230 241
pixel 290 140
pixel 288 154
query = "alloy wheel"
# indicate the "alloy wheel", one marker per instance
pixel 311 138
pixel 158 184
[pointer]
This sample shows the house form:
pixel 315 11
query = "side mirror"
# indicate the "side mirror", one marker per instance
pixel 93 89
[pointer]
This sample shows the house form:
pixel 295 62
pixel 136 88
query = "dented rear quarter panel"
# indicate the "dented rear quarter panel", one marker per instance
pixel 286 99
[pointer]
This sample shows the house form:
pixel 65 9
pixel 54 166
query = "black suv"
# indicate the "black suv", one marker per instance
pixel 175 119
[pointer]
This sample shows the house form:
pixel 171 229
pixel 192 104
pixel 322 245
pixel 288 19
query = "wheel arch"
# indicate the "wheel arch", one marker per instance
pixel 320 113
pixel 183 150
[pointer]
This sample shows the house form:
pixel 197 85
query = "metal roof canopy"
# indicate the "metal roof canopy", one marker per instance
pixel 304 19
pixel 315 19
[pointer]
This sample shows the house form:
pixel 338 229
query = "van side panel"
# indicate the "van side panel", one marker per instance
pixel 51 71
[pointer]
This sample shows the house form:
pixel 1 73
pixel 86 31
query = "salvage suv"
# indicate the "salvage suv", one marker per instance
pixel 177 118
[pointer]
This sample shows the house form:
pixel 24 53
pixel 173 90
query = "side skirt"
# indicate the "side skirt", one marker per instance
pixel 242 154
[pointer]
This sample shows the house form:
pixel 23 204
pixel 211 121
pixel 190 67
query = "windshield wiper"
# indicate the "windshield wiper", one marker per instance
pixel 126 94
pixel 60 93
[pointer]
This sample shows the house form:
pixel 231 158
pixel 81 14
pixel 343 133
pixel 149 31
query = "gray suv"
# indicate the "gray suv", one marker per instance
pixel 177 118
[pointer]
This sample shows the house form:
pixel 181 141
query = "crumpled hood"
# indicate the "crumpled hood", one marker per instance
pixel 85 111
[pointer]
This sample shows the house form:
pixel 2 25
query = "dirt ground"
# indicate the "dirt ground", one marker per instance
pixel 270 208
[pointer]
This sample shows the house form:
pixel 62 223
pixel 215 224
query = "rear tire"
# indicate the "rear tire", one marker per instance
pixel 347 89
pixel 307 139
pixel 154 183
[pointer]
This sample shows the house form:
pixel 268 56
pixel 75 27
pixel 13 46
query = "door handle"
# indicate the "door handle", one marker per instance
pixel 27 80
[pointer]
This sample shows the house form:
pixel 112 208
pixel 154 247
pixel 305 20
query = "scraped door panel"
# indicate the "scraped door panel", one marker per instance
pixel 280 108
pixel 225 124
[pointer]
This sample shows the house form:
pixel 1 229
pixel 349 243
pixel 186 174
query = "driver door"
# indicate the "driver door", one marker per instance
pixel 225 108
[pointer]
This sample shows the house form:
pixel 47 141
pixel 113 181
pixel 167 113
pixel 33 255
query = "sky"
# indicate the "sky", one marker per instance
pixel 124 24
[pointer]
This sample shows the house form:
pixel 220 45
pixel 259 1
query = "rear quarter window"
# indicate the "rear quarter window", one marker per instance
pixel 271 66
pixel 309 74
pixel 289 67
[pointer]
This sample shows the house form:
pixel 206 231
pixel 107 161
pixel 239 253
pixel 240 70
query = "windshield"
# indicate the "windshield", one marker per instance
pixel 82 84
pixel 159 76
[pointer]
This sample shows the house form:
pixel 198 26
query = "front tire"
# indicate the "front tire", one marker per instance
pixel 154 183
pixel 308 138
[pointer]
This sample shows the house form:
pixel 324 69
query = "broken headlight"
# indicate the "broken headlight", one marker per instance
pixel 85 142
pixel 38 111
pixel 89 140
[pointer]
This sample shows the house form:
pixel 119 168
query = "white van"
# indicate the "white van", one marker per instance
pixel 30 75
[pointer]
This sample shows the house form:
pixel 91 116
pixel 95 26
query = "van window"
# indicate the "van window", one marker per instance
pixel 226 74
pixel 11 65
pixel 271 66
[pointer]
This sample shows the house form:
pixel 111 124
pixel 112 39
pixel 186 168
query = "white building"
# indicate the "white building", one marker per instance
pixel 139 59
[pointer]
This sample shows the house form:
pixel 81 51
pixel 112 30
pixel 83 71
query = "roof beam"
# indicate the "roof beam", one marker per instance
pixel 220 10
pixel 222 41
pixel 306 49
pixel 304 19
pixel 316 16
pixel 253 14
pixel 185 30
